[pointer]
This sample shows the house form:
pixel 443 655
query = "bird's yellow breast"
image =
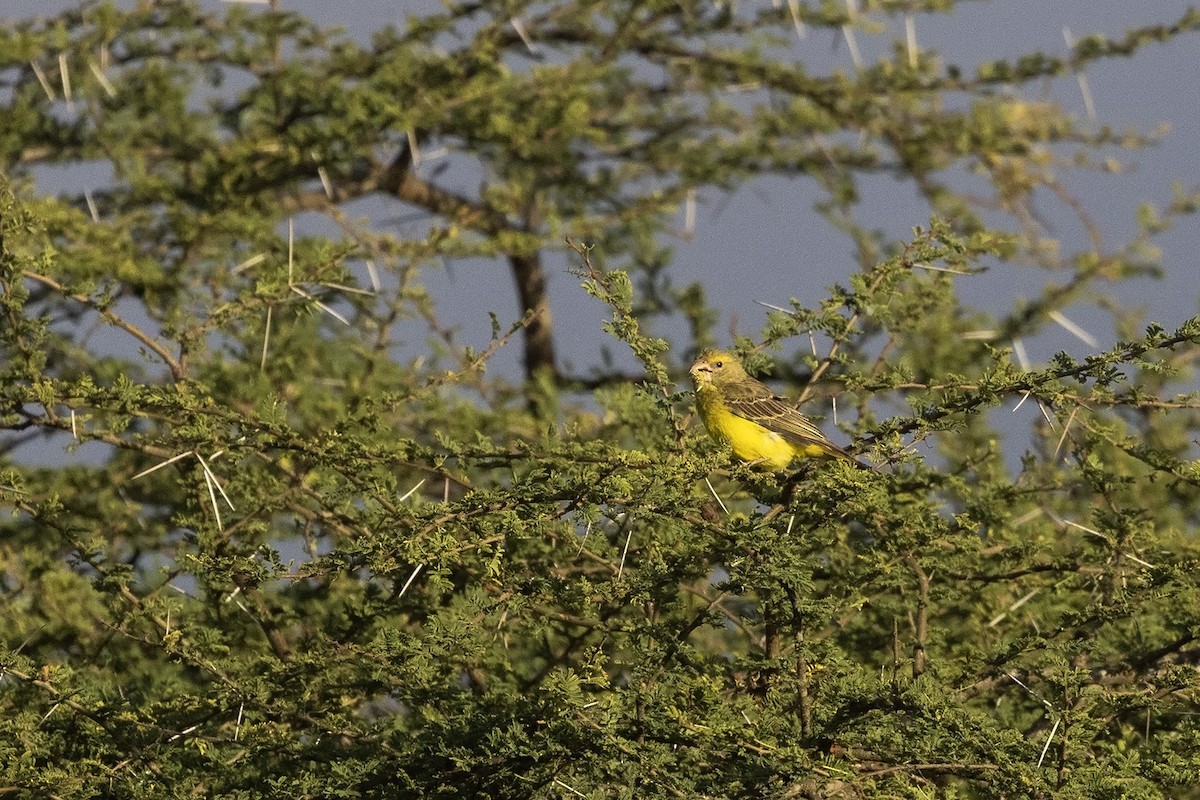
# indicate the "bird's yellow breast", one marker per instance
pixel 749 440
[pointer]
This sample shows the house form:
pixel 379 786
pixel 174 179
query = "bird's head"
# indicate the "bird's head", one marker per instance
pixel 716 367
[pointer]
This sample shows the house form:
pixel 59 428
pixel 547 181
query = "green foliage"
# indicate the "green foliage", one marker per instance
pixel 260 540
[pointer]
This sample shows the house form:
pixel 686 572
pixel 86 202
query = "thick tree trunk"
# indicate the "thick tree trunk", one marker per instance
pixel 531 293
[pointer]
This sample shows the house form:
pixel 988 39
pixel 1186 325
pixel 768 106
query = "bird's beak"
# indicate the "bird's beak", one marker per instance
pixel 701 371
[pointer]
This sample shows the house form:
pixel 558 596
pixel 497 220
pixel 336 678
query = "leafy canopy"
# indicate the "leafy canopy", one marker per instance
pixel 273 530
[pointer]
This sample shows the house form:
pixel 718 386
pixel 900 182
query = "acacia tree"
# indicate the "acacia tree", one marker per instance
pixel 286 554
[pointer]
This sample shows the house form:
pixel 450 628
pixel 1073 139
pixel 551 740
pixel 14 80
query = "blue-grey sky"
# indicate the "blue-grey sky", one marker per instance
pixel 764 242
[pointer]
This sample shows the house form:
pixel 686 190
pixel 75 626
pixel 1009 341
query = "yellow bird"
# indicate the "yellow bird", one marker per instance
pixel 759 426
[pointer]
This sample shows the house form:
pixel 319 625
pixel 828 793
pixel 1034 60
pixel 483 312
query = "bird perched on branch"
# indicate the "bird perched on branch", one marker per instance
pixel 759 426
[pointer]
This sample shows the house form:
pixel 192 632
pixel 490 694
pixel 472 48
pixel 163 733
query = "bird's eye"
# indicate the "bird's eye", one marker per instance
pixel 718 364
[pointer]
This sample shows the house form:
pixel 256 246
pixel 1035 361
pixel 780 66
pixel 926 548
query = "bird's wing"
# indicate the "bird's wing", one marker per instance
pixel 756 403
